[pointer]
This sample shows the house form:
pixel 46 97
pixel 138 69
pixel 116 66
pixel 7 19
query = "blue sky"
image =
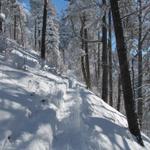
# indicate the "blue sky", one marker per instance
pixel 59 5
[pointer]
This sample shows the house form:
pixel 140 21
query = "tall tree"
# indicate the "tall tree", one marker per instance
pixel 125 74
pixel 43 47
pixel 140 70
pixel 104 58
pixel 110 60
pixel 98 59
pixel 36 7
pixel 87 65
pixel 119 93
pixel 0 17
pixel 85 59
pixel 15 27
pixel 52 42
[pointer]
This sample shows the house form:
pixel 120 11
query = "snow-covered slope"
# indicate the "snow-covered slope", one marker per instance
pixel 40 110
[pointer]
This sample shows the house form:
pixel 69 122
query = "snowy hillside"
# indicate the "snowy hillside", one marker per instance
pixel 41 110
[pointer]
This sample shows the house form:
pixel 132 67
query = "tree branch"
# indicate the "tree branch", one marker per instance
pixel 132 13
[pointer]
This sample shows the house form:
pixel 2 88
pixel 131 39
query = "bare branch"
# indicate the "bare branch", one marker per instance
pixel 144 37
pixel 132 13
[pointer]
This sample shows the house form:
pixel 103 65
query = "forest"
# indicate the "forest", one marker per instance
pixel 102 46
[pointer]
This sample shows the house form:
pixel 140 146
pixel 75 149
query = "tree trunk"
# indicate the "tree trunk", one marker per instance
pixel 15 27
pixel 35 34
pixel 119 92
pixel 82 47
pixel 63 54
pixel 104 59
pixel 43 47
pixel 1 24
pixel 21 30
pixel 99 60
pixel 133 78
pixel 140 70
pixel 110 62
pixel 83 70
pixel 1 28
pixel 87 65
pixel 85 59
pixel 39 41
pixel 125 74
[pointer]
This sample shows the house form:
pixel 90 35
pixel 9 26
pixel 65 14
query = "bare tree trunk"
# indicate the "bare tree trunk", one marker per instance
pixel 85 59
pixel 133 78
pixel 63 54
pixel 1 23
pixel 35 33
pixel 140 69
pixel 21 28
pixel 43 47
pixel 110 61
pixel 125 74
pixel 15 27
pixel 87 66
pixel 104 59
pixel 1 26
pixel 99 60
pixel 119 92
pixel 82 47
pixel 83 70
pixel 39 41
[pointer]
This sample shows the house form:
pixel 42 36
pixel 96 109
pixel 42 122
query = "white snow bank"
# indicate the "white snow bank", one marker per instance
pixel 40 110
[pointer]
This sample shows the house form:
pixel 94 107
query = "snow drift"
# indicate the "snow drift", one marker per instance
pixel 40 110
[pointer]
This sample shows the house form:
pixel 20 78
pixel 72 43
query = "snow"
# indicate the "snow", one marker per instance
pixel 2 16
pixel 41 110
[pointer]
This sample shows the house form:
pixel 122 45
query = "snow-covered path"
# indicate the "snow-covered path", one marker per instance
pixel 40 110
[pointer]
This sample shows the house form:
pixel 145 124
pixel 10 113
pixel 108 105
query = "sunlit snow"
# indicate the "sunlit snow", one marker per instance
pixel 42 110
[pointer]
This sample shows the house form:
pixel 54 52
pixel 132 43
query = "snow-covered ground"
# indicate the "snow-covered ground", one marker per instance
pixel 40 110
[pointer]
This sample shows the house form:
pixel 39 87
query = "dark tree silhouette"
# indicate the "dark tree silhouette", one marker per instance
pixel 44 30
pixel 104 59
pixel 125 74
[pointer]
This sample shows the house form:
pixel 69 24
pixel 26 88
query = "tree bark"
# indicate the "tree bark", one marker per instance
pixel 99 60
pixel 104 59
pixel 15 27
pixel 83 70
pixel 1 24
pixel 110 61
pixel 85 59
pixel 43 47
pixel 133 78
pixel 35 33
pixel 119 92
pixel 21 31
pixel 125 74
pixel 82 47
pixel 140 70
